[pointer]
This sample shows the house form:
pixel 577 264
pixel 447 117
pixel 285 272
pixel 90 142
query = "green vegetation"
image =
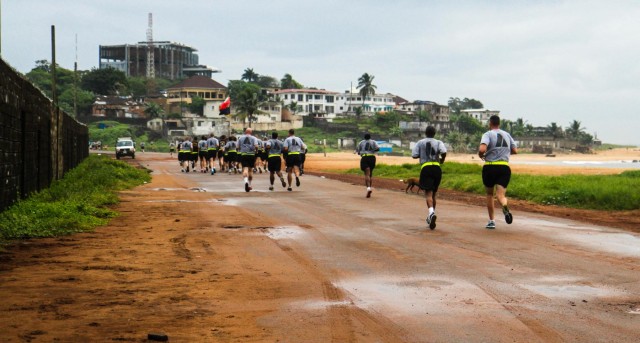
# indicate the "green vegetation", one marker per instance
pixel 112 130
pixel 600 192
pixel 74 204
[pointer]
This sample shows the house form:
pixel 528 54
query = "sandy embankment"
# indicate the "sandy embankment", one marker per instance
pixel 522 163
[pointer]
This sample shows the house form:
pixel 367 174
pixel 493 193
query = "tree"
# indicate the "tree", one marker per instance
pixel 248 103
pixel 365 83
pixel 554 131
pixel 266 81
pixel 153 110
pixel 106 81
pixel 293 106
pixel 456 105
pixel 249 75
pixel 468 125
pixel 575 130
pixel 197 105
pixel 287 82
pixel 84 101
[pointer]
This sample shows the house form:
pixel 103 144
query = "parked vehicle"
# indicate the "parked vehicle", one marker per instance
pixel 125 147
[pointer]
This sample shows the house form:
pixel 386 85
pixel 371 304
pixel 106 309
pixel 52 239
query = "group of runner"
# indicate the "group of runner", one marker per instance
pixel 246 153
pixel 496 146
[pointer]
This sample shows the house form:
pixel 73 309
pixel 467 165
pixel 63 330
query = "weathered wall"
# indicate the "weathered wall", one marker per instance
pixel 38 143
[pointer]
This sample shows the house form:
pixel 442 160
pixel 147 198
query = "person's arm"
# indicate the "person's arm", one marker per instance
pixel 442 157
pixel 376 147
pixel 415 153
pixel 482 150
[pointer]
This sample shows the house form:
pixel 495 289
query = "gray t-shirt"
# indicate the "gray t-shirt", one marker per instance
pixel 367 146
pixel 499 144
pixel 202 145
pixel 248 144
pixel 294 144
pixel 231 146
pixel 186 145
pixel 275 146
pixel 213 143
pixel 429 150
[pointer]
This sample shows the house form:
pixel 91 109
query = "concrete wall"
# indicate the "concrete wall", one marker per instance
pixel 38 143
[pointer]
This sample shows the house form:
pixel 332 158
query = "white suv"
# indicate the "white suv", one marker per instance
pixel 125 147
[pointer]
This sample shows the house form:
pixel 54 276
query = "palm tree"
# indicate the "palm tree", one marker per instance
pixel 248 104
pixel 365 83
pixel 249 75
pixel 293 106
pixel 287 82
pixel 153 110
pixel 575 129
pixel 554 131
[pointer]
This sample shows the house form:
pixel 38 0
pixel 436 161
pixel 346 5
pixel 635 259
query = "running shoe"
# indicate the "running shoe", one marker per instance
pixel 431 220
pixel 297 182
pixel 284 184
pixel 270 188
pixel 187 169
pixel 213 171
pixel 289 189
pixel 369 190
pixel 508 217
pixel 246 187
pixel 182 170
pixel 491 225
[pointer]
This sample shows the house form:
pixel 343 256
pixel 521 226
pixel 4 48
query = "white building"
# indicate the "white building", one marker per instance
pixel 481 114
pixel 347 103
pixel 316 102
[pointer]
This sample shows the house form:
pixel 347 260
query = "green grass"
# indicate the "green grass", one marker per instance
pixel 602 192
pixel 76 203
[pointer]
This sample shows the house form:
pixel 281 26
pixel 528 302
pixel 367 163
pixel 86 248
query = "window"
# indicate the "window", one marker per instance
pixel 318 97
pixel 286 96
pixel 329 98
pixel 300 97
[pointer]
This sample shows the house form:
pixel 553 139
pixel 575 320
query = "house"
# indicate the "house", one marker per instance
pixel 481 114
pixel 348 101
pixel 195 86
pixel 113 106
pixel 439 113
pixel 315 102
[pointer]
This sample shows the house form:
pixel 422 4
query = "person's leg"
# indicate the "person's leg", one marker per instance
pixel 490 201
pixel 367 177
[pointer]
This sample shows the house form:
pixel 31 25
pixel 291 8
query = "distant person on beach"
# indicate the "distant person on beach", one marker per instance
pixel 495 148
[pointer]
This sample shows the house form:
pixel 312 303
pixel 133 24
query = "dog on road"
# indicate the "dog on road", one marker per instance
pixel 412 182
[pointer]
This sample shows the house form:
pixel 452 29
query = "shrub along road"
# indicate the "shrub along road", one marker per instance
pixel 195 257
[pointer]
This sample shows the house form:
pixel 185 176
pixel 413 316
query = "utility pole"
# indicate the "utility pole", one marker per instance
pixel 56 113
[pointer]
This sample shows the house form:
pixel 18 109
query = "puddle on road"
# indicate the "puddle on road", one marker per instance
pixel 286 232
pixel 570 291
pixel 636 311
pixel 319 304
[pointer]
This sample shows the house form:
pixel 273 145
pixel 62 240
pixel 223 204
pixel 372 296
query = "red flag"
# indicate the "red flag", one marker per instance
pixel 225 107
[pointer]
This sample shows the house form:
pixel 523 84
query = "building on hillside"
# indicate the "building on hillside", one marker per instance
pixel 481 114
pixel 439 113
pixel 112 106
pixel 195 86
pixel 315 102
pixel 347 103
pixel 171 60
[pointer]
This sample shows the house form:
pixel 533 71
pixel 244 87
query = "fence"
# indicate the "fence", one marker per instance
pixel 38 143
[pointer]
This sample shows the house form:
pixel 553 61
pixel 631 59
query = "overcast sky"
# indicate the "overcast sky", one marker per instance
pixel 543 61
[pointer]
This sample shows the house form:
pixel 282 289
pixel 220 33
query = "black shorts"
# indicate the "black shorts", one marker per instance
pixel 194 156
pixel 231 156
pixel 220 154
pixel 293 160
pixel 274 163
pixel 430 177
pixel 367 162
pixel 264 156
pixel 496 175
pixel 248 161
pixel 203 154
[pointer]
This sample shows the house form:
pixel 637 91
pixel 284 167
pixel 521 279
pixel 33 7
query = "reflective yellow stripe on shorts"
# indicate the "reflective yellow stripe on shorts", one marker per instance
pixel 294 153
pixel 274 155
pixel 365 155
pixel 497 163
pixel 430 164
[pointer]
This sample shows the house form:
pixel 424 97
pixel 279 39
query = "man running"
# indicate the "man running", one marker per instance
pixel 231 154
pixel 248 145
pixel 184 153
pixel 172 149
pixel 495 148
pixel 275 146
pixel 432 153
pixel 202 153
pixel 293 146
pixel 367 149
pixel 212 152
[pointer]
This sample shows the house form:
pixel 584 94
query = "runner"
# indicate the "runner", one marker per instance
pixel 292 147
pixel 222 153
pixel 274 145
pixel 212 152
pixel 259 154
pixel 264 155
pixel 367 149
pixel 495 148
pixel 142 146
pixel 184 154
pixel 432 153
pixel 172 149
pixel 203 147
pixel 194 154
pixel 248 145
pixel 231 154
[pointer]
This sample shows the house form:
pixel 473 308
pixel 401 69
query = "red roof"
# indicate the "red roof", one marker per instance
pixel 199 81
pixel 304 90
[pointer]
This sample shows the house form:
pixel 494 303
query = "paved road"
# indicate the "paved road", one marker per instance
pixel 386 277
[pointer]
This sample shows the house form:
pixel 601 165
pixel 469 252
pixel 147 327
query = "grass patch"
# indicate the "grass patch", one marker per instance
pixel 75 203
pixel 594 192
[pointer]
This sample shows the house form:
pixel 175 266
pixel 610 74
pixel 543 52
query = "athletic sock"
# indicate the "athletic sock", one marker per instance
pixel 431 210
pixel 246 180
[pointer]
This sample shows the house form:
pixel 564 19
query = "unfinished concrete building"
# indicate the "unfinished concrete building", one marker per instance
pixel 171 60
